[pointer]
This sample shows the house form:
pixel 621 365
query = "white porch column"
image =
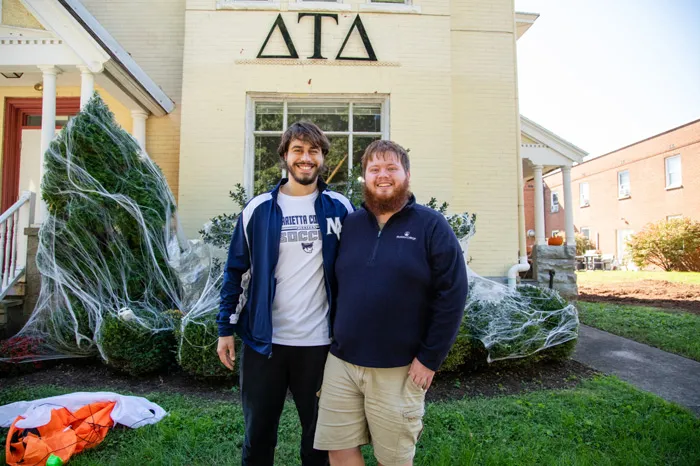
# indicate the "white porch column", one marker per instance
pixel 568 206
pixel 87 85
pixel 539 207
pixel 139 127
pixel 48 127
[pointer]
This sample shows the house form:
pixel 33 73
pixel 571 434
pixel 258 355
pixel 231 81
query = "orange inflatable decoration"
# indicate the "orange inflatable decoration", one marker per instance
pixel 66 434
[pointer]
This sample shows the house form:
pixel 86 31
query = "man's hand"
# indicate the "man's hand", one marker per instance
pixel 226 350
pixel 421 375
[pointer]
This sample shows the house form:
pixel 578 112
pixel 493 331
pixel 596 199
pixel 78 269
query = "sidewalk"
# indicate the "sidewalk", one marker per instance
pixel 674 378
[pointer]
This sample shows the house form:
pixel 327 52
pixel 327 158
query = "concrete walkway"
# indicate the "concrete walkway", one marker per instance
pixel 674 378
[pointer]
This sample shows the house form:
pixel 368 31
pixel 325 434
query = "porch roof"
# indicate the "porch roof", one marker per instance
pixel 548 149
pixel 74 37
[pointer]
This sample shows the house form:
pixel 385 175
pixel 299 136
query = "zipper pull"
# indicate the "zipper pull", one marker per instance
pixel 379 233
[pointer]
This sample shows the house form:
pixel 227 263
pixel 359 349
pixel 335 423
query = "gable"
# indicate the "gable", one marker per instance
pixel 15 14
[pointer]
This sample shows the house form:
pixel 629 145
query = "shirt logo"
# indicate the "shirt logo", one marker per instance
pixel 307 247
pixel 333 226
pixel 406 235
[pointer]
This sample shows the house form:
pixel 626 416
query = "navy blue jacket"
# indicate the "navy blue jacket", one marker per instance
pixel 401 290
pixel 255 247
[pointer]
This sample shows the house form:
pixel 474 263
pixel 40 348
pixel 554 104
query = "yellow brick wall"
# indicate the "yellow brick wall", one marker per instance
pixel 452 102
pixel 485 129
pixel 153 32
pixel 15 14
pixel 121 114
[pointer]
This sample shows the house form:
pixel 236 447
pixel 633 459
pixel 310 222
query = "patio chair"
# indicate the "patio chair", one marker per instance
pixel 607 260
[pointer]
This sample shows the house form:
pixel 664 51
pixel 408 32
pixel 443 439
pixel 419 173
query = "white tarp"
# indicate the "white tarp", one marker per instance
pixel 130 411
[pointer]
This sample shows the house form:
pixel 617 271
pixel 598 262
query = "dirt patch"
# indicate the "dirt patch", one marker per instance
pixel 93 376
pixel 656 293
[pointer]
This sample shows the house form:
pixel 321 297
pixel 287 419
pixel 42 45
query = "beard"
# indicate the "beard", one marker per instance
pixel 304 179
pixel 380 205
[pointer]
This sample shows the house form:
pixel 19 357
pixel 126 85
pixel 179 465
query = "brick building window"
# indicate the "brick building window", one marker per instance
pixel 673 172
pixel 555 202
pixel 584 194
pixel 623 184
pixel 350 126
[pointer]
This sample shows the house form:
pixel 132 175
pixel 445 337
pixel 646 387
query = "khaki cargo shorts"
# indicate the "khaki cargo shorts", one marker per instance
pixel 361 405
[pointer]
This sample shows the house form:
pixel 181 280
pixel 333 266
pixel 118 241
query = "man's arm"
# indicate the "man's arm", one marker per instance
pixel 237 264
pixel 449 296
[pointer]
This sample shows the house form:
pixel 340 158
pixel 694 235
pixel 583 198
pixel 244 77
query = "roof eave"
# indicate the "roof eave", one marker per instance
pixel 121 68
pixel 543 135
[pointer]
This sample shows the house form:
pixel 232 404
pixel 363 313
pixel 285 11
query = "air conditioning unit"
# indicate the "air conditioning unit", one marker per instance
pixel 555 208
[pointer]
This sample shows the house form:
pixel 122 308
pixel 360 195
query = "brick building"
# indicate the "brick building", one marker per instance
pixel 208 86
pixel 620 192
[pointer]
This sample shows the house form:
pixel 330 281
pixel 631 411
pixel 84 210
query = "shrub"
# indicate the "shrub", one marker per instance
pixel 517 325
pixel 583 244
pixel 14 350
pixel 197 354
pixel 668 244
pixel 134 349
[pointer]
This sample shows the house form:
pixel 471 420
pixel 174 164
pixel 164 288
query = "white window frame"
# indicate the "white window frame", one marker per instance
pixel 679 183
pixel 622 191
pixel 588 229
pixel 385 7
pixel 250 133
pixel 555 233
pixel 587 201
pixel 554 206
pixel 247 5
pixel 318 5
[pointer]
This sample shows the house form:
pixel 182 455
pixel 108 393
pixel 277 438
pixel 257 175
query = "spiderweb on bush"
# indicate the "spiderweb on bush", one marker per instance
pixel 512 323
pixel 111 249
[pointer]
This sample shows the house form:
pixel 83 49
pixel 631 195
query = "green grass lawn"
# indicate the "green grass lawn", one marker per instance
pixel 602 422
pixel 675 332
pixel 618 276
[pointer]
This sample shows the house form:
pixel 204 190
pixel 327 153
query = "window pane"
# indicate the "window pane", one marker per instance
pixel 367 118
pixel 267 168
pixel 337 163
pixel 268 116
pixel 327 116
pixel 35 120
pixel 359 144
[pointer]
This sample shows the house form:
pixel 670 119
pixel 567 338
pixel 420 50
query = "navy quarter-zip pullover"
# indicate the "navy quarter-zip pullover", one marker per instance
pixel 401 289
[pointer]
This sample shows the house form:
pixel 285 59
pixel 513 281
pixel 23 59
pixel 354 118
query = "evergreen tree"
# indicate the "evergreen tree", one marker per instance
pixel 103 248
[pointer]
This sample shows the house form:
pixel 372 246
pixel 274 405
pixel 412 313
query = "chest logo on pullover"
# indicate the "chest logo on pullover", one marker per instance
pixel 406 235
pixel 333 226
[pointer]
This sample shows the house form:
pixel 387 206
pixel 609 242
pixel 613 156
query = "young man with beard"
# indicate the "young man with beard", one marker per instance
pixel 402 287
pixel 286 240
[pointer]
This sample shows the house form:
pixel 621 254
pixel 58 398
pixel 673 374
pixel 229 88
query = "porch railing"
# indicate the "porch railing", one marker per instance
pixel 13 241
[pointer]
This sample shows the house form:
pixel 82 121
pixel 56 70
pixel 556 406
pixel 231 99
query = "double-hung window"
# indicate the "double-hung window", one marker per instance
pixel 555 202
pixel 584 194
pixel 623 184
pixel 673 172
pixel 350 125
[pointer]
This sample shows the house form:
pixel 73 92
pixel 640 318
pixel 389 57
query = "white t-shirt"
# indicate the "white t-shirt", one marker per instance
pixel 300 308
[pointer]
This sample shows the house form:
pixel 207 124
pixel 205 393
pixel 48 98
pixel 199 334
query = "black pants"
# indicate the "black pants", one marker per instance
pixel 264 383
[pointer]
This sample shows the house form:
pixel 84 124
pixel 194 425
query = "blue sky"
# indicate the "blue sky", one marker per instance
pixel 603 74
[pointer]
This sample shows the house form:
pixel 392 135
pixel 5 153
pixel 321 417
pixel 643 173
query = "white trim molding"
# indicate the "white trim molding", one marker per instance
pixel 302 5
pixel 380 7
